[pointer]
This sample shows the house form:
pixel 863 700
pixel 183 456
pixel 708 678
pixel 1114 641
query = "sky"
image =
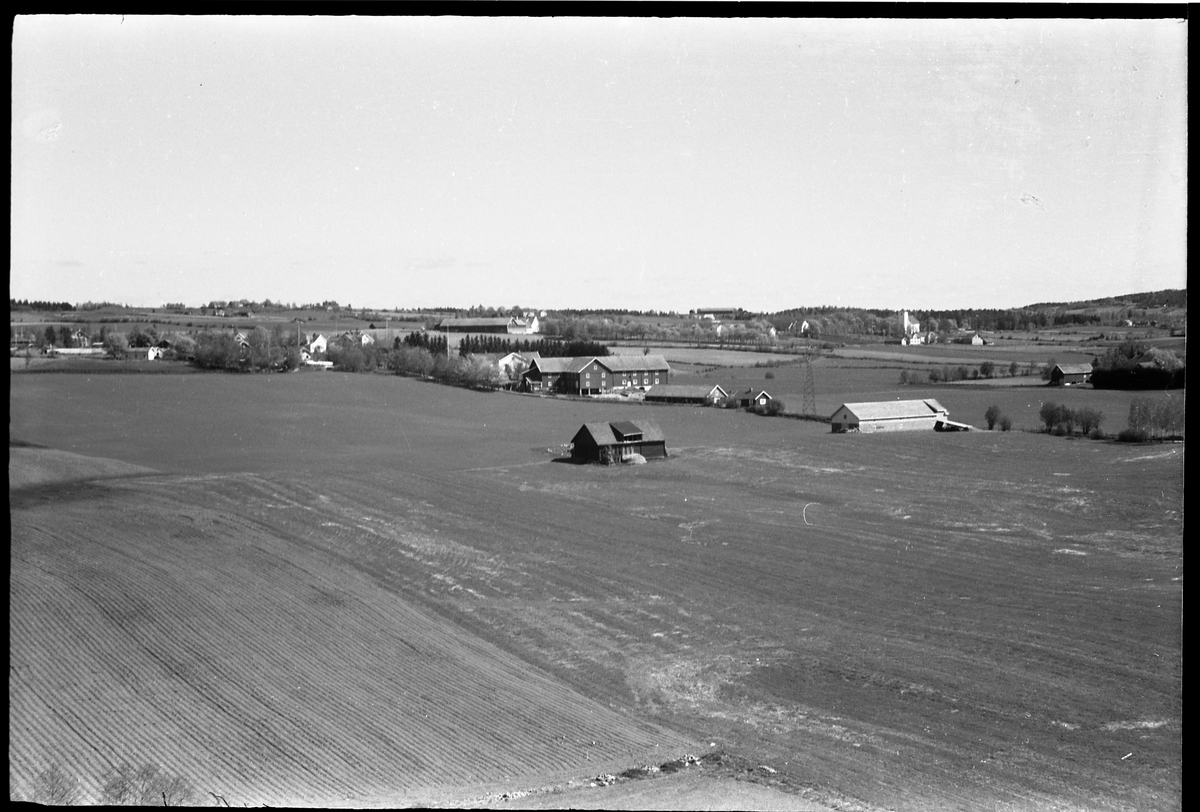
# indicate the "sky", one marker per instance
pixel 665 164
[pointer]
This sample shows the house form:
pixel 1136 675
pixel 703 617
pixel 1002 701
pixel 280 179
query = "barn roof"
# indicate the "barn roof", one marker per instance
pixel 750 393
pixel 1074 369
pixel 561 364
pixel 892 409
pixel 498 321
pixel 607 433
pixel 680 390
pixel 633 363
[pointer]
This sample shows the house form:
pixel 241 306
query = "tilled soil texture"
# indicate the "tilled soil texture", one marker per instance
pixel 149 627
pixel 910 621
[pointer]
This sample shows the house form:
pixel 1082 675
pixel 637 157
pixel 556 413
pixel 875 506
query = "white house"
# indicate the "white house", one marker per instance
pixel 318 344
pixel 512 365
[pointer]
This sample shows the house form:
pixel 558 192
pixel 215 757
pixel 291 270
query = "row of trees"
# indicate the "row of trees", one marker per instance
pixel 987 369
pixel 1062 420
pixel 1158 418
pixel 627 328
pixel 37 304
pixel 473 371
pixel 547 348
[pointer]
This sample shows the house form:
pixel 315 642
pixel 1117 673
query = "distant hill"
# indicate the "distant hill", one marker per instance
pixel 1158 298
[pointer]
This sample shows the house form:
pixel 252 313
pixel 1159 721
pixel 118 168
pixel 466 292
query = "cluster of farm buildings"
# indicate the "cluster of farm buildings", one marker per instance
pixel 640 440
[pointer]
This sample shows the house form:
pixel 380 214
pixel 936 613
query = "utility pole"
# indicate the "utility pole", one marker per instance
pixel 808 407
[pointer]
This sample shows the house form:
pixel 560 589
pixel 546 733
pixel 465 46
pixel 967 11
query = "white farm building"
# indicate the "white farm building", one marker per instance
pixel 890 415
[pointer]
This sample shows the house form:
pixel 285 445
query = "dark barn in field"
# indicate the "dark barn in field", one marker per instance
pixel 612 442
pixel 1070 374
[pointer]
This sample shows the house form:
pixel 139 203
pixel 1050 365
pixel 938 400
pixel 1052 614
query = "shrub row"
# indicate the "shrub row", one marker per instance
pixel 1062 420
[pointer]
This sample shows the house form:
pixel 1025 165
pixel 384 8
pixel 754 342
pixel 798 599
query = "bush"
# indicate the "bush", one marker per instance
pixel 1051 414
pixel 115 345
pixel 1089 419
pixel 770 376
pixel 1132 435
pixel 55 788
pixel 986 369
pixel 992 415
pixel 1006 423
pixel 148 785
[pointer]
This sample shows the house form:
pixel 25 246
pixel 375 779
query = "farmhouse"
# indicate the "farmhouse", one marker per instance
pixel 890 415
pixel 749 398
pixel 512 365
pixel 682 393
pixel 319 344
pixel 636 370
pixel 559 374
pixel 1070 374
pixel 613 442
pixel 590 375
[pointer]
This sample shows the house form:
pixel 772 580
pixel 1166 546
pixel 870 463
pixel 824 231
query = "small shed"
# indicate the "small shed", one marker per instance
pixel 612 442
pixel 1070 374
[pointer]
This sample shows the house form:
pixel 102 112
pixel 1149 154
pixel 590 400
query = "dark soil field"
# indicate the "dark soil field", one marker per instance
pixel 367 590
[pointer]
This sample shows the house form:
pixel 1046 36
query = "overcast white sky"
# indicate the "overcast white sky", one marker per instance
pixel 665 164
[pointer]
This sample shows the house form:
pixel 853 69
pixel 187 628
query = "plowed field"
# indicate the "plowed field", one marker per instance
pixel 362 590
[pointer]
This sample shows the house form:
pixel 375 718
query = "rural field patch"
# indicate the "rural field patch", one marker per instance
pixel 890 619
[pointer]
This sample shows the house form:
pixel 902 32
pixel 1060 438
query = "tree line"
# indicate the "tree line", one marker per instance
pixel 547 348
pixel 37 304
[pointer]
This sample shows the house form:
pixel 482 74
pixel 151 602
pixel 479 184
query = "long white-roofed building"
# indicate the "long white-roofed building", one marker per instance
pixel 889 415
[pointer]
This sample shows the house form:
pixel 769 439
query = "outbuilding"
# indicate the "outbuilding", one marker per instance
pixel 612 442
pixel 1070 374
pixel 750 398
pixel 684 393
pixel 889 415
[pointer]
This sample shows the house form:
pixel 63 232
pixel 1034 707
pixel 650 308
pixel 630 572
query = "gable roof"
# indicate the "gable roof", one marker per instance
pixel 893 409
pixel 750 392
pixel 634 363
pixel 683 390
pixel 496 321
pixel 608 433
pixel 561 364
pixel 1075 369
